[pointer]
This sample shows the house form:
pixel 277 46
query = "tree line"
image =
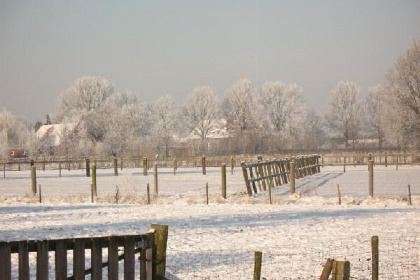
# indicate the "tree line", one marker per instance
pixel 257 120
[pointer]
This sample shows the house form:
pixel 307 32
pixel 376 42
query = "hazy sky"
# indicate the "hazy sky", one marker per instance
pixel 169 47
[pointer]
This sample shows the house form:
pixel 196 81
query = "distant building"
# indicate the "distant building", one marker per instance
pixel 17 153
pixel 52 135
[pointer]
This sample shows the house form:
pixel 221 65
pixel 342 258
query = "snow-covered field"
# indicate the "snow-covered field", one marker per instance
pixel 296 233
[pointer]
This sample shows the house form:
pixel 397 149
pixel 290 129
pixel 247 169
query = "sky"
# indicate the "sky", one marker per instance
pixel 157 48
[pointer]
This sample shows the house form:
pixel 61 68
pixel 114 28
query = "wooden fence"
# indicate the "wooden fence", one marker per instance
pixel 272 173
pixel 130 245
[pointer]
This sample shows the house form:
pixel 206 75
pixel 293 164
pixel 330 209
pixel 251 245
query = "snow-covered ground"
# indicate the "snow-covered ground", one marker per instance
pixel 296 234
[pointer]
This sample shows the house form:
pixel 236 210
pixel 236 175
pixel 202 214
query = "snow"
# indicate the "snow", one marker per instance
pixel 217 241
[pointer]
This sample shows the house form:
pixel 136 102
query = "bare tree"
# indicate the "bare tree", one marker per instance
pixel 314 135
pixel 345 110
pixel 201 111
pixel 401 99
pixel 14 132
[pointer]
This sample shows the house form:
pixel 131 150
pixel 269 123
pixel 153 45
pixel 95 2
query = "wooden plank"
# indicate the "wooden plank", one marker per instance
pixel 254 187
pixel 129 268
pixel 60 259
pixel 42 260
pixel 96 253
pixel 6 263
pixel 327 269
pixel 23 260
pixel 79 260
pixel 113 259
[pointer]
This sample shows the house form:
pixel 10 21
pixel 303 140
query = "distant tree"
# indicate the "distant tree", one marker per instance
pixel 285 109
pixel 37 125
pixel 373 109
pixel 14 132
pixel 314 133
pixel 241 108
pixel 47 119
pixel 345 110
pixel 86 100
pixel 400 94
pixel 201 111
pixel 165 113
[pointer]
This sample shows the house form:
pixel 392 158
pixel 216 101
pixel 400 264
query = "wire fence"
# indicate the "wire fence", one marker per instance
pixel 399 258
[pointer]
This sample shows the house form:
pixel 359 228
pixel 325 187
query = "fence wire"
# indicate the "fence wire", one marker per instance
pixel 399 258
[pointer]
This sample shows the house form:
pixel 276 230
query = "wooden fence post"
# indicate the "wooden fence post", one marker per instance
pixel 155 169
pixel 375 257
pixel 95 188
pixel 257 265
pixel 159 252
pixel 386 159
pixel 247 184
pixel 175 165
pixel 117 194
pixel 224 180
pixel 409 195
pixel 115 166
pixel 33 179
pixel 148 194
pixel 292 177
pixel 40 194
pixel 122 164
pixel 396 166
pixel 232 165
pixel 145 166
pixel 4 170
pixel 269 194
pixel 341 270
pixel 344 165
pixel 339 194
pixel 203 164
pixel 59 169
pixel 207 193
pixel 327 269
pixel 87 167
pixel 370 169
pixel 91 193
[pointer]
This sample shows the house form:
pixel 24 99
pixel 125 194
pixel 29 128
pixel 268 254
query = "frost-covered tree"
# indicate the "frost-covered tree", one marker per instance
pixel 345 110
pixel 285 110
pixel 400 93
pixel 241 108
pixel 86 100
pixel 373 109
pixel 14 132
pixel 201 111
pixel 314 133
pixel 165 113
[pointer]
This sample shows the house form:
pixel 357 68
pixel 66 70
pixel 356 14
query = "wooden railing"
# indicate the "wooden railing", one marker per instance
pixel 130 245
pixel 276 172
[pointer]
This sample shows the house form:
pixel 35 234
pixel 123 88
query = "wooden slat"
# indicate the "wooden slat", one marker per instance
pixel 23 260
pixel 79 260
pixel 42 260
pixel 6 263
pixel 129 267
pixel 96 253
pixel 60 260
pixel 113 259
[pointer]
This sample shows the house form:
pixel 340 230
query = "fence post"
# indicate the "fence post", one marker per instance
pixel 245 173
pixel 87 167
pixel 159 252
pixel 257 265
pixel 59 169
pixel 344 165
pixel 409 195
pixel 207 193
pixel 339 194
pixel 269 194
pixel 145 166
pixel 341 270
pixel 292 177
pixel 4 170
pixel 122 163
pixel 386 159
pixel 117 194
pixel 148 194
pixel 175 165
pixel 155 169
pixel 370 169
pixel 224 180
pixel 232 165
pixel 91 193
pixel 203 164
pixel 327 269
pixel 375 257
pixel 33 179
pixel 40 193
pixel 95 189
pixel 115 166
pixel 396 166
